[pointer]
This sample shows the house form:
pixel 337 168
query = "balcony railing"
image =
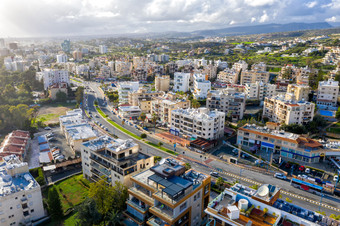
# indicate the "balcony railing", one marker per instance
pixel 137 206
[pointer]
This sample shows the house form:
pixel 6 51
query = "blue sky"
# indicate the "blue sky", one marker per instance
pixel 24 18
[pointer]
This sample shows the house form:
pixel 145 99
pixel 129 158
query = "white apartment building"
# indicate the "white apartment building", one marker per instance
pixel 221 64
pixel 61 58
pixel 297 92
pixel 241 65
pixel 228 76
pixel 232 103
pixel 82 69
pixel 124 88
pixel 201 86
pixel 115 159
pixel 181 82
pixel 102 49
pixel 278 109
pixel 53 76
pixel 261 66
pixel 248 77
pixel 20 194
pixel 198 122
pixel 328 92
pixel 259 90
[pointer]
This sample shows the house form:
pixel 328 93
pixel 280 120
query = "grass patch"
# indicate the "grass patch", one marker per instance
pixel 75 80
pixel 161 148
pixel 69 220
pixel 334 129
pixel 47 117
pixel 69 105
pixel 72 191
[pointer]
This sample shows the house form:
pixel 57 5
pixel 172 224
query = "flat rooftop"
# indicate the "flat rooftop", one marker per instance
pixel 80 131
pixel 10 184
pixel 199 113
pixel 266 130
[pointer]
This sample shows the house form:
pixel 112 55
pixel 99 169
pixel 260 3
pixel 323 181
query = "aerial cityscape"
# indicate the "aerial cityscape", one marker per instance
pixel 170 113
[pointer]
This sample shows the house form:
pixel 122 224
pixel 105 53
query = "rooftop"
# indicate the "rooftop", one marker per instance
pixel 289 102
pixel 199 113
pixel 14 176
pixel 80 131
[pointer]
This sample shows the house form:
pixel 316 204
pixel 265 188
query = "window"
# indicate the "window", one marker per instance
pixel 183 207
pixel 32 210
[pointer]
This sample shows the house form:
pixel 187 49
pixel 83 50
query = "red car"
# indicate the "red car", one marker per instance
pixel 302 168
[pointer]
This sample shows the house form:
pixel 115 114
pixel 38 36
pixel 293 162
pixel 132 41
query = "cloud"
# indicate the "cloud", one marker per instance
pixel 79 17
pixel 311 4
pixel 331 19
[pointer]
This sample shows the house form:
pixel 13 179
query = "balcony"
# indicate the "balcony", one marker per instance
pixel 164 211
pixel 136 203
pixel 156 221
pixel 142 194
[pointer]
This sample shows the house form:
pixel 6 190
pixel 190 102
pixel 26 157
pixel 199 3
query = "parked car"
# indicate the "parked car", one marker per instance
pixel 51 139
pixel 47 128
pixel 60 157
pixel 307 170
pixel 302 168
pixel 49 134
pixel 214 174
pixel 302 176
pixel 280 176
pixel 336 178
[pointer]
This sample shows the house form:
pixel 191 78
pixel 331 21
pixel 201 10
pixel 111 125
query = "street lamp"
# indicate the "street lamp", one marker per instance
pixel 321 200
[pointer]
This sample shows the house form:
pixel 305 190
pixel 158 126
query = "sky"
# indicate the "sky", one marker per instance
pixel 34 18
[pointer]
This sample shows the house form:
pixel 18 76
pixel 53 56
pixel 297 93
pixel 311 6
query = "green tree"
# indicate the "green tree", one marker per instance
pixel 54 204
pixel 154 119
pixel 187 166
pixel 195 103
pixel 337 114
pixel 61 96
pixel 142 117
pixel 79 94
pixel 220 182
pixel 120 195
pixel 157 159
pixel 87 213
pixel 114 218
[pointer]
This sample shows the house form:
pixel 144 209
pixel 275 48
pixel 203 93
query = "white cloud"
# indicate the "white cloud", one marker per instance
pixel 331 19
pixel 264 17
pixel 253 19
pixel 256 3
pixel 232 22
pixel 311 4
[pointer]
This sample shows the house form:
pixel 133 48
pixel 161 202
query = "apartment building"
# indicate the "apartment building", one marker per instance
pixel 261 66
pixel 181 82
pixel 198 123
pixel 166 194
pixel 77 55
pixel 102 49
pixel 248 77
pixel 136 97
pixel 123 67
pixel 72 117
pixel 77 134
pixel 171 67
pixel 20 194
pixel 228 76
pixel 259 90
pixel 241 205
pixel 17 142
pixel 240 65
pixel 129 112
pixel 297 92
pixel 54 89
pixel 162 83
pixel 61 58
pixel 229 101
pixel 124 88
pixel 280 110
pixel 53 76
pixel 139 74
pixel 289 145
pixel 328 92
pixel 201 86
pixel 163 105
pixel 115 159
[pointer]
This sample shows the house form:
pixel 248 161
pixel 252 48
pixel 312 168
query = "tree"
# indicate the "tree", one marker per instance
pixel 195 103
pixel 61 96
pixel 87 213
pixel 54 204
pixel 187 166
pixel 157 159
pixel 120 195
pixel 79 94
pixel 154 119
pixel 142 117
pixel 337 114
pixel 220 182
pixel 95 103
pixel 114 218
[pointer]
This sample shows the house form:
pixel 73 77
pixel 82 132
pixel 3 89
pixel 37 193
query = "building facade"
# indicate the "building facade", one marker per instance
pixel 248 77
pixel 298 92
pixel 181 82
pixel 201 86
pixel 124 88
pixel 198 123
pixel 51 76
pixel 328 92
pixel 259 90
pixel 162 83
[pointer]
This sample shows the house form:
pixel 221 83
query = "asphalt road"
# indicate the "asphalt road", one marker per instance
pixel 197 161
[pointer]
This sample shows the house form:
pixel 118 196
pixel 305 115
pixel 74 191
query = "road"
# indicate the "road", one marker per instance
pixel 202 162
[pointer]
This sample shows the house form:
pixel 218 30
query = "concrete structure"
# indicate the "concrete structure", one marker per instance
pixel 248 77
pixel 162 83
pixel 53 76
pixel 124 88
pixel 201 86
pixel 297 92
pixel 240 65
pixel 17 142
pixel 56 88
pixel 280 110
pixel 142 95
pixel 228 76
pixel 77 55
pixel 139 74
pixel 71 118
pixel 20 195
pixel 16 63
pixel 163 105
pixel 289 145
pixel 102 49
pixel 61 58
pixel 259 90
pixel 328 92
pixel 166 194
pixel 115 159
pixel 198 123
pixel 77 134
pixel 181 82
pixel 66 46
pixel 241 205
pixel 229 101
pixel 123 67
pixel 130 112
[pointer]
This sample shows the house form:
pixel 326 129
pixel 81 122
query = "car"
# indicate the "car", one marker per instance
pixel 214 174
pixel 47 128
pixel 336 178
pixel 97 116
pixel 60 157
pixel 49 134
pixel 106 129
pixel 55 147
pixel 302 176
pixel 307 170
pixel 280 176
pixel 51 139
pixel 302 168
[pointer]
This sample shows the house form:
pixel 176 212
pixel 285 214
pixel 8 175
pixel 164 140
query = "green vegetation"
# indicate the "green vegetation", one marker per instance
pixel 312 127
pixel 161 148
pixel 187 166
pixel 38 175
pixel 143 135
pixel 334 128
pixel 54 204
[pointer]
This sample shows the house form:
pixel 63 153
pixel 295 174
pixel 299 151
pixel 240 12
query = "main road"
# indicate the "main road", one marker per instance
pixel 202 162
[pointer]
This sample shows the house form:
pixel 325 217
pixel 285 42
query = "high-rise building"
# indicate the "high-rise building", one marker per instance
pixel 248 77
pixel 124 88
pixel 328 92
pixel 113 159
pixel 52 76
pixel 181 82
pixel 198 123
pixel 162 83
pixel 166 194
pixel 61 58
pixel 20 194
pixel 102 49
pixel 2 43
pixel 77 55
pixel 13 45
pixel 66 46
pixel 259 90
pixel 232 103
pixel 297 92
pixel 201 86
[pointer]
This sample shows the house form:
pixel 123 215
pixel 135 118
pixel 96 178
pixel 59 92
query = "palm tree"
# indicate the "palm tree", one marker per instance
pixel 142 117
pixel 195 103
pixel 154 119
pixel 114 218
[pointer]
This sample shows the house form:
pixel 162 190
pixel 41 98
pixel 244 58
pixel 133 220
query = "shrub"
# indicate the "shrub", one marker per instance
pixel 143 135
pixel 265 210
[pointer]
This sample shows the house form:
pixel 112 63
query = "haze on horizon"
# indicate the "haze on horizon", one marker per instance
pixel 27 18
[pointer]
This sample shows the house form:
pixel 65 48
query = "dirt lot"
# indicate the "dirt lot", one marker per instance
pixel 49 114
